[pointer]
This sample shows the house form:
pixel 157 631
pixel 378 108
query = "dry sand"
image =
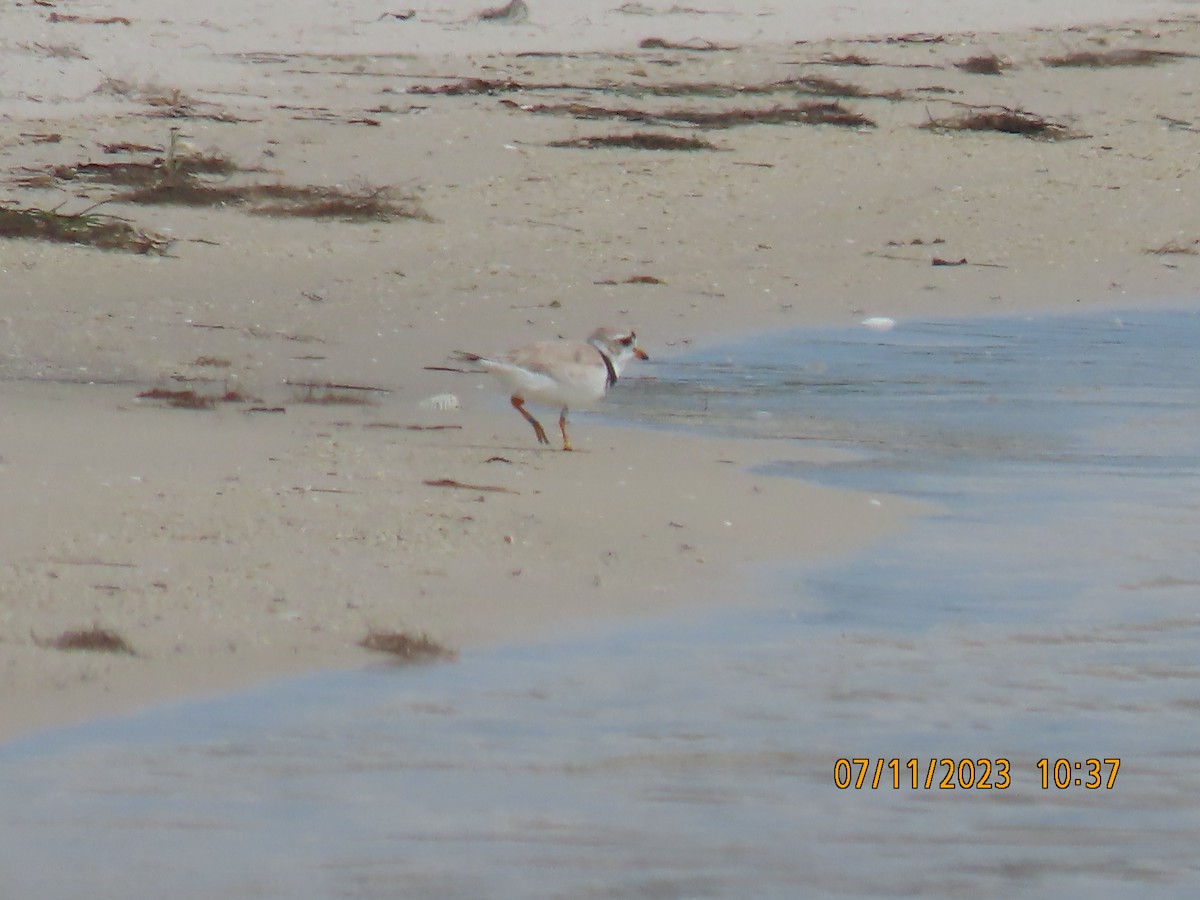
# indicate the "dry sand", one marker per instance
pixel 226 545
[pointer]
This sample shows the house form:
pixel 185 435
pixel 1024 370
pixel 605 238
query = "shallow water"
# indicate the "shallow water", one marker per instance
pixel 1051 609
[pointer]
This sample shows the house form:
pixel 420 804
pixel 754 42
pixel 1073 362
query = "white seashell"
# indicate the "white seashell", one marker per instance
pixel 880 323
pixel 443 402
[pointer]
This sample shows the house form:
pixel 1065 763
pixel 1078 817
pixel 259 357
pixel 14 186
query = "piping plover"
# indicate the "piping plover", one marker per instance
pixel 561 373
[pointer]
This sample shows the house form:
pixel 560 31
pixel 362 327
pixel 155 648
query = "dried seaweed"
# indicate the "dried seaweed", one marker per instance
pixel 129 147
pixel 512 12
pixel 806 113
pixel 182 399
pixel 56 17
pixel 817 113
pixel 334 398
pixel 367 204
pixel 169 103
pixel 696 45
pixel 638 141
pixel 632 279
pixel 847 59
pixel 816 85
pixel 314 202
pixel 182 179
pixel 831 87
pixel 1191 248
pixel 184 192
pixel 95 639
pixel 409 649
pixel 1101 59
pixel 102 232
pixel 190 399
pixel 337 386
pixel 983 65
pixel 145 173
pixel 1005 121
pixel 473 86
pixel 459 485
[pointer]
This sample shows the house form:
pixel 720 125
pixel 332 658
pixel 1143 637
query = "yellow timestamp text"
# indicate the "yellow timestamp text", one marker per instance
pixel 1086 773
pixel 949 773
pixel 933 773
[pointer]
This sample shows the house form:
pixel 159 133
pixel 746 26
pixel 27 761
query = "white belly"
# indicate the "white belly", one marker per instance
pixel 576 387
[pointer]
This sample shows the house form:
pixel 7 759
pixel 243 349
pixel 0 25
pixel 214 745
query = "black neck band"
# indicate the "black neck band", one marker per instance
pixel 612 372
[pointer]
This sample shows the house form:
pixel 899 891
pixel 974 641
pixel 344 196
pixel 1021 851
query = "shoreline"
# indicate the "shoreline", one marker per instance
pixel 210 603
pixel 235 546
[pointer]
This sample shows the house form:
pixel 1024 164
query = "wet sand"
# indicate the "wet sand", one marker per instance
pixel 977 660
pixel 226 545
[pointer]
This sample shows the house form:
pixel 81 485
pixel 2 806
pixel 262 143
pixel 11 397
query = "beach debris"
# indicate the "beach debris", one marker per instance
pixel 1124 56
pixel 989 64
pixel 632 279
pixel 332 398
pixel 398 426
pixel 831 87
pixel 179 399
pixel 1188 248
pixel 914 38
pixel 278 200
pixel 814 113
pixel 816 85
pixel 879 323
pixel 409 649
pixel 638 141
pixel 442 402
pixel 167 103
pixel 336 386
pixel 84 228
pixel 96 639
pixel 512 13
pixel 472 86
pixel 183 179
pixel 1177 124
pixel 916 242
pixel 191 399
pixel 696 45
pixel 936 261
pixel 847 59
pixel 451 483
pixel 56 17
pixel 129 147
pixel 375 204
pixel 1004 120
pixel 177 168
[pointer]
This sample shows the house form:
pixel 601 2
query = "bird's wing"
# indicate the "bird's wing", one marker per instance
pixel 547 357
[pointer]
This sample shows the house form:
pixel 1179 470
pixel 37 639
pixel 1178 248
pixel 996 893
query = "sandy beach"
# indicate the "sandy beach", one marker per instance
pixel 313 498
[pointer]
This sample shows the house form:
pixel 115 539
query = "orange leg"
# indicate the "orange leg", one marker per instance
pixel 562 426
pixel 519 405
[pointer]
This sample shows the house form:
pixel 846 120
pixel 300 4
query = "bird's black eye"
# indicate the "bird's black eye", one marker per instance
pixel 627 341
